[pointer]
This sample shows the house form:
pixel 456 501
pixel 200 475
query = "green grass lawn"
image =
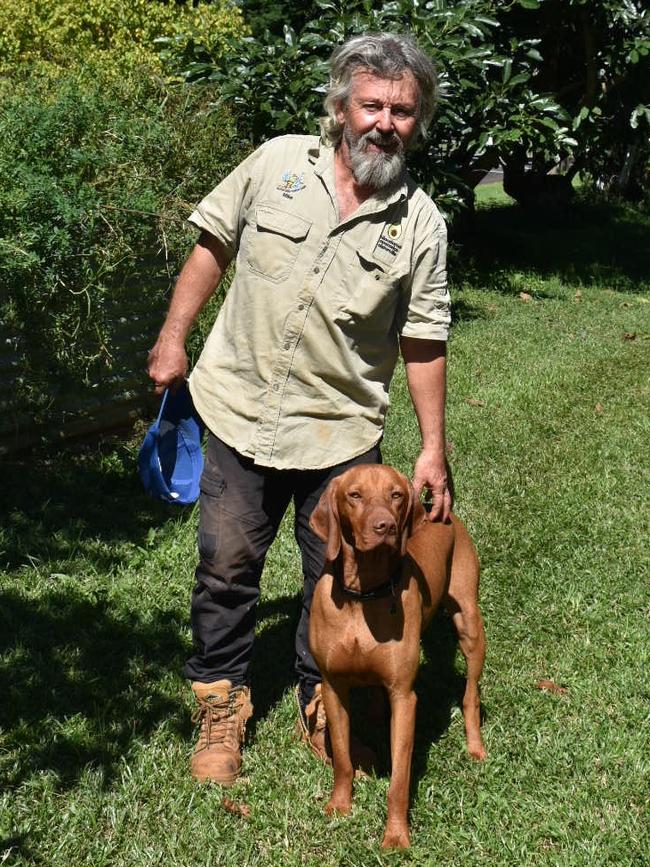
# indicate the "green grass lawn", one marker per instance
pixel 548 434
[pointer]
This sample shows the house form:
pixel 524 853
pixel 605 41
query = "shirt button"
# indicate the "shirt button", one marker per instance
pixel 287 346
pixel 316 270
pixel 275 386
pixel 301 307
pixel 376 276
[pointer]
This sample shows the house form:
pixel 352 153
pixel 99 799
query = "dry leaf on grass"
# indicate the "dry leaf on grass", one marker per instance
pixel 629 335
pixel 525 296
pixel 551 686
pixel 236 809
pixel 472 401
pixel 599 408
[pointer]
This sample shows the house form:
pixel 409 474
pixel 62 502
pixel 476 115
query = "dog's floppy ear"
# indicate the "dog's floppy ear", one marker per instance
pixel 415 514
pixel 325 522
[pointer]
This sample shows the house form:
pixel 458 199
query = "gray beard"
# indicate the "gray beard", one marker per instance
pixel 380 171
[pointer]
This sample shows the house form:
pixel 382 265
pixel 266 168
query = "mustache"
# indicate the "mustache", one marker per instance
pixel 376 137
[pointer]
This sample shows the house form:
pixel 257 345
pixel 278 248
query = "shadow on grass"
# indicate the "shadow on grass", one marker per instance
pixel 590 242
pixel 462 311
pixel 84 677
pixel 55 502
pixel 82 681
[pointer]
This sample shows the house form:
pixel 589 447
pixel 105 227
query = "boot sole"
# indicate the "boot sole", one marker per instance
pixel 225 781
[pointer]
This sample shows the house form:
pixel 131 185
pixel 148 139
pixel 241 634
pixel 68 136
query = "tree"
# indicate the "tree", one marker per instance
pixel 513 90
pixel 595 61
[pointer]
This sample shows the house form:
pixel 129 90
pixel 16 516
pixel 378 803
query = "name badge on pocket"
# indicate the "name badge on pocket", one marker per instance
pixel 388 245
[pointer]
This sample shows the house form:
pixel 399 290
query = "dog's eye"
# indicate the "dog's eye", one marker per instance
pixel 397 495
pixel 355 495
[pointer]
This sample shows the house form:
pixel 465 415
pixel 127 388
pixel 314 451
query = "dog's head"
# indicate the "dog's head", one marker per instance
pixel 368 506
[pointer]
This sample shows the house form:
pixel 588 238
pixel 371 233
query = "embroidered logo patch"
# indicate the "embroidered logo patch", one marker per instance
pixel 388 241
pixel 291 183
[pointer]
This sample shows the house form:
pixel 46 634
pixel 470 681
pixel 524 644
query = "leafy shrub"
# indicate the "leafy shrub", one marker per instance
pixel 489 102
pixel 98 174
pixel 529 81
pixel 66 31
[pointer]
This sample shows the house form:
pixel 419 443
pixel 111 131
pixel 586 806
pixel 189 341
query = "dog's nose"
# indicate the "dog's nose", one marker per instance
pixel 382 527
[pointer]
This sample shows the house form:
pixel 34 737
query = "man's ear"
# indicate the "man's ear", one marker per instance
pixel 415 514
pixel 325 522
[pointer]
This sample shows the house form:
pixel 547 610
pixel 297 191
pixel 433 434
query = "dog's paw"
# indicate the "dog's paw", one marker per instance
pixel 396 838
pixel 477 750
pixel 338 807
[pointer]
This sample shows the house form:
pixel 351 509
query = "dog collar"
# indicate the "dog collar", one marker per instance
pixel 385 589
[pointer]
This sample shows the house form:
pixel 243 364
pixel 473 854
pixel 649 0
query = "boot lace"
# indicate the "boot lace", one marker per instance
pixel 219 718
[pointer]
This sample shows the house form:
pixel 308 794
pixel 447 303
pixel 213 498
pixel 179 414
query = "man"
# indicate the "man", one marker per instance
pixel 340 262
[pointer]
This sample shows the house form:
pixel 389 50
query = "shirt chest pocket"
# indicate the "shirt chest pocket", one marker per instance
pixel 274 242
pixel 372 296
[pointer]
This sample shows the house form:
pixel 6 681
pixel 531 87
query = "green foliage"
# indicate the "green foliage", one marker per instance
pixel 517 82
pixel 66 31
pixel 489 103
pixel 263 16
pixel 97 172
pixel 596 61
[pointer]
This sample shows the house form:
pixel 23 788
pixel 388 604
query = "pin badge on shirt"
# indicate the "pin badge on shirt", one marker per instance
pixel 291 183
pixel 389 241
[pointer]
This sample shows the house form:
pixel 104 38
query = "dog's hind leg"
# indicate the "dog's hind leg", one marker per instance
pixel 462 604
pixel 471 637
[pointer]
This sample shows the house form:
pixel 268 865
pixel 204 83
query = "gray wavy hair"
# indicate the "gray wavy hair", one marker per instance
pixel 387 55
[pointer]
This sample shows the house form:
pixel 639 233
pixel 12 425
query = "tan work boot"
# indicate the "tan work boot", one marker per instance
pixel 222 712
pixel 312 724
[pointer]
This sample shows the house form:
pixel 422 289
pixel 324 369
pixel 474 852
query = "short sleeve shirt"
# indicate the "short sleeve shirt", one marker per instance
pixel 296 370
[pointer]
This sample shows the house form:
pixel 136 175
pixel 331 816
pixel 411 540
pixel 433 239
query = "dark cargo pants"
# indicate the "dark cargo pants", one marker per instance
pixel 241 507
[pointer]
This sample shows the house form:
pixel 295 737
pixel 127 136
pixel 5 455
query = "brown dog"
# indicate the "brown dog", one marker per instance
pixel 387 569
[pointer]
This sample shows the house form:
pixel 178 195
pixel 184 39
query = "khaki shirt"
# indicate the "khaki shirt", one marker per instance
pixel 296 370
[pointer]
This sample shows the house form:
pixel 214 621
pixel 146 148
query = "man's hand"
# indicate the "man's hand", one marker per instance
pixel 430 474
pixel 167 365
pixel 425 362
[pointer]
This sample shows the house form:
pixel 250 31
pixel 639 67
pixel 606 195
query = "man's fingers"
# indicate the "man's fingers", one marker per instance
pixel 437 502
pixel 440 508
pixel 446 509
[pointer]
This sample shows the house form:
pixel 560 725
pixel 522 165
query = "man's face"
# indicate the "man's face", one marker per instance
pixel 379 120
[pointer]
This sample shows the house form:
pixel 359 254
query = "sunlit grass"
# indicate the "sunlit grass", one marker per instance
pixel 548 429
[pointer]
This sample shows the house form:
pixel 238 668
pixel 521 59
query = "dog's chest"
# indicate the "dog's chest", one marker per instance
pixel 353 650
pixel 362 641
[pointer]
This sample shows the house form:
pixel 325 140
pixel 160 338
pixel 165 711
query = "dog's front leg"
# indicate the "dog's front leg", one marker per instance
pixel 336 697
pixel 402 734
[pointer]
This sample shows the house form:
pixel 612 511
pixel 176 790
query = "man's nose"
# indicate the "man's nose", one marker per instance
pixel 385 120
